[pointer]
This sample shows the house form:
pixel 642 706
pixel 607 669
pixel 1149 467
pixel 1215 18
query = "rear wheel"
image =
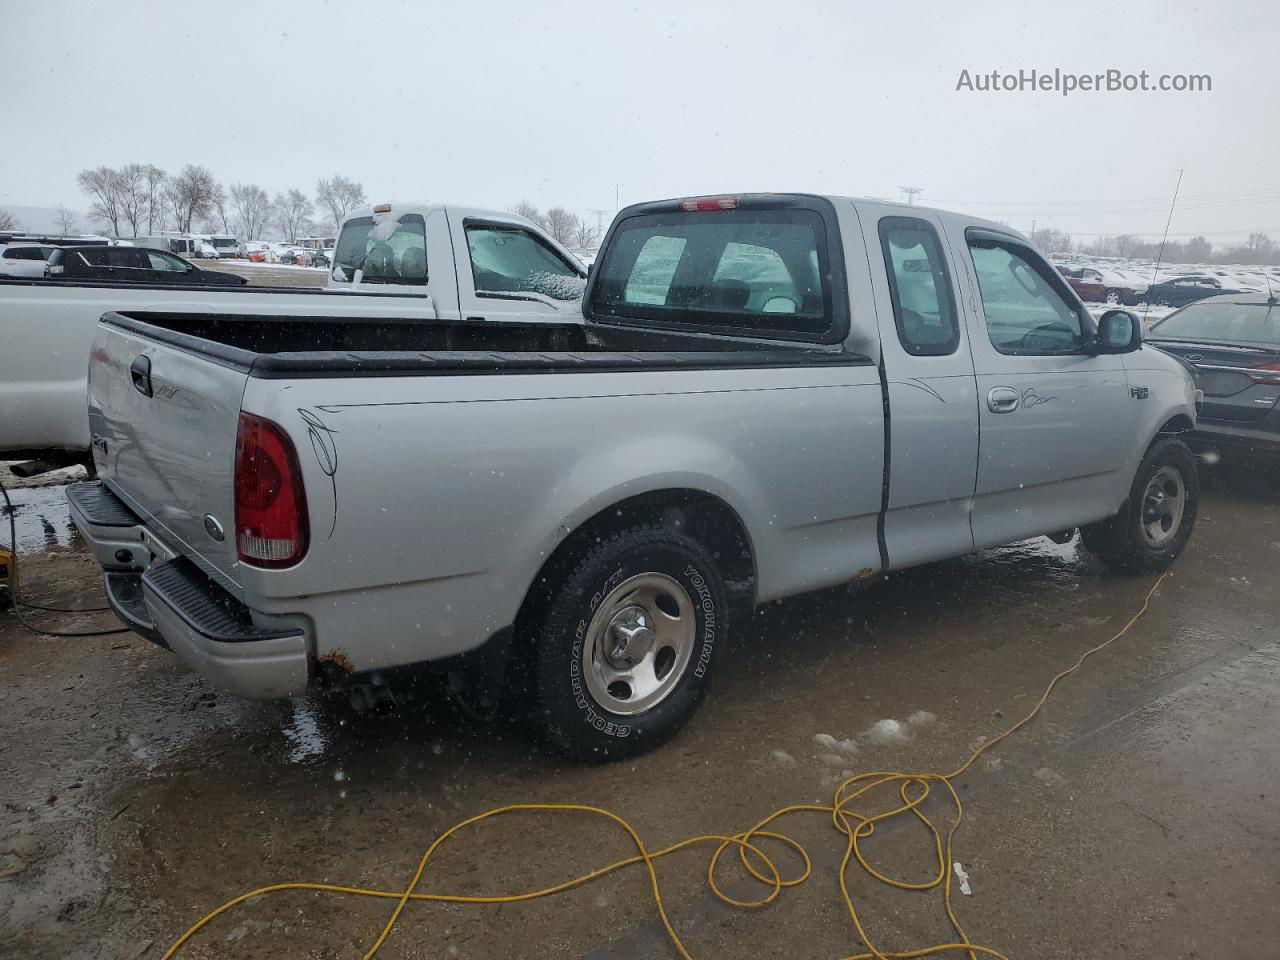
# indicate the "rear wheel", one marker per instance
pixel 1112 298
pixel 1155 523
pixel 626 646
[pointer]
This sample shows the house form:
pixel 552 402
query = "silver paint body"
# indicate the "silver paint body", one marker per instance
pixel 434 501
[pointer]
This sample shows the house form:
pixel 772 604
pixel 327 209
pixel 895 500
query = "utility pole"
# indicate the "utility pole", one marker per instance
pixel 911 194
pixel 599 218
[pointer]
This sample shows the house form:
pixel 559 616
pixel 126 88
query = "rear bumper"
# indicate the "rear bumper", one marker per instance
pixel 214 634
pixel 113 532
pixel 174 604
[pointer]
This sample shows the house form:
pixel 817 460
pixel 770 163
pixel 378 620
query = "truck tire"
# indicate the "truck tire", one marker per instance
pixel 1156 520
pixel 627 644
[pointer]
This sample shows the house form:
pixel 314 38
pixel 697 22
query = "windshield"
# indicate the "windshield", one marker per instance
pixel 1251 322
pixel 382 249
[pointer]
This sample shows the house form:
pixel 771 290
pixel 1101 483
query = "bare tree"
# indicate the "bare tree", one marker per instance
pixel 293 212
pixel 1127 245
pixel 584 235
pixel 103 185
pixel 7 220
pixel 191 195
pixel 1198 249
pixel 223 207
pixel 131 193
pixel 1260 245
pixel 1051 241
pixel 66 220
pixel 561 224
pixel 252 208
pixel 527 210
pixel 155 180
pixel 338 196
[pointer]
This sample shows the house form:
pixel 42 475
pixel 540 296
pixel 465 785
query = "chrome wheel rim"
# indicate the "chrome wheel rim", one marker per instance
pixel 639 643
pixel 1163 505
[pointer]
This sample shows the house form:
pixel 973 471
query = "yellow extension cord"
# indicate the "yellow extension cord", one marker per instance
pixel 912 788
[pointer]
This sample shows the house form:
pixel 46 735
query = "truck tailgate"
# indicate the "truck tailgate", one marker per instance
pixel 163 426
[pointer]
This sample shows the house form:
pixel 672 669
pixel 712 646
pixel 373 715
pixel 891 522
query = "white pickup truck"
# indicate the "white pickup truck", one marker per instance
pixel 399 261
pixel 770 394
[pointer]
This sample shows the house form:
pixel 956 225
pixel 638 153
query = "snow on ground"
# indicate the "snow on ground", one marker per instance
pixel 272 266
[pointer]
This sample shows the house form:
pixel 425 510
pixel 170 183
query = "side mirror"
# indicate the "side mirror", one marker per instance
pixel 1119 331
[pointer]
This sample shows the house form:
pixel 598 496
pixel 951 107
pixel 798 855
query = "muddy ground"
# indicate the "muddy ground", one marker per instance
pixel 1137 817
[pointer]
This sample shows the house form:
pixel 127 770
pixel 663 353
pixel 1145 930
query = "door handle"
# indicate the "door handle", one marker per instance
pixel 1003 400
pixel 140 374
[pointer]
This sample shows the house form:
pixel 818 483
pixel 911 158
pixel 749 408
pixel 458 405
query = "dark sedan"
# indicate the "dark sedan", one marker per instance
pixel 1180 291
pixel 1233 344
pixel 132 264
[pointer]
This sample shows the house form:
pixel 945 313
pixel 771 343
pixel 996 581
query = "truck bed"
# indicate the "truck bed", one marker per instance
pixel 292 347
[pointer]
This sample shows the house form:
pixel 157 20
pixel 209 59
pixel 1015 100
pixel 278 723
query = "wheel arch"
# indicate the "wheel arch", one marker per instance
pixel 1178 423
pixel 705 516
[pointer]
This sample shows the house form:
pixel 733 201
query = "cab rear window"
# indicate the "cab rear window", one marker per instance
pixel 763 271
pixel 383 249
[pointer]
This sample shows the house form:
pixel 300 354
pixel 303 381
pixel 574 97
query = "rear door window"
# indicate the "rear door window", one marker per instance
pixel 760 271
pixel 920 287
pixel 384 249
pixel 510 260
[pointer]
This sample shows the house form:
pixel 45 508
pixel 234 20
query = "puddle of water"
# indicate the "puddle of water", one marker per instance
pixel 305 737
pixel 42 519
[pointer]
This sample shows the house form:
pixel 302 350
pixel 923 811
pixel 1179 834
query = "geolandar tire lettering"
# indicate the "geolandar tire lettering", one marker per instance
pixel 626 648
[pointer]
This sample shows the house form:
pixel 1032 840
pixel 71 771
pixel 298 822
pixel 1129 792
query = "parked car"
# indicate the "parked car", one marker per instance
pixel 49 324
pixel 289 502
pixel 1103 286
pixel 282 252
pixel 225 245
pixel 1233 342
pixel 320 250
pixel 24 259
pixel 1179 291
pixel 248 248
pixel 132 264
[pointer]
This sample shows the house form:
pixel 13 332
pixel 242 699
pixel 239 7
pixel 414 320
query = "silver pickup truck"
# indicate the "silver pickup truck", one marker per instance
pixel 770 394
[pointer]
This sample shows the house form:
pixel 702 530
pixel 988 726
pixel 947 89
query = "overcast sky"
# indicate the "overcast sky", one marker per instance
pixel 492 102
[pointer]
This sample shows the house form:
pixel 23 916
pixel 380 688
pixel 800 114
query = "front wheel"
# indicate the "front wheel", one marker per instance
pixel 1155 523
pixel 625 652
pixel 1112 298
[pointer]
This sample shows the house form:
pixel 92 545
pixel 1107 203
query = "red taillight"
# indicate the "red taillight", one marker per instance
pixel 1267 373
pixel 709 203
pixel 271 506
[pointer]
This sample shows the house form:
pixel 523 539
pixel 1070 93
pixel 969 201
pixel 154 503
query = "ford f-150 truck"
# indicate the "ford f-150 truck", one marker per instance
pixel 770 394
pixel 396 260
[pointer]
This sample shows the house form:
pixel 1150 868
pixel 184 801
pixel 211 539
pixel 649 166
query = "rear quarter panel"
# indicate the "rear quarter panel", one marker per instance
pixel 434 500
